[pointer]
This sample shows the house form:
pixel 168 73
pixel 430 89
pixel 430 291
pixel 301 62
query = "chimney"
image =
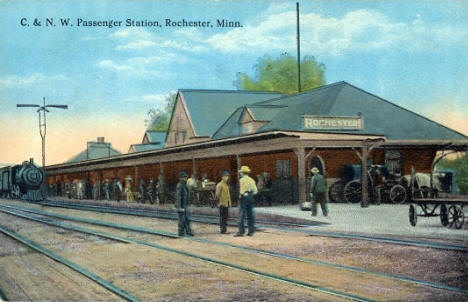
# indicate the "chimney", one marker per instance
pixel 100 139
pixel 31 161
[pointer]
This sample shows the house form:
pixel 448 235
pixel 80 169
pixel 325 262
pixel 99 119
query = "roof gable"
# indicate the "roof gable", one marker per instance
pixel 145 147
pixel 95 150
pixel 208 109
pixel 154 137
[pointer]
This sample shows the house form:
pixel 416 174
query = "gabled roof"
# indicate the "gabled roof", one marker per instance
pixel 208 109
pixel 155 136
pixel 344 100
pixel 95 150
pixel 145 147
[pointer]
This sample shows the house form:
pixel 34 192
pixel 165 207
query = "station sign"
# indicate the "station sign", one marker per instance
pixel 333 122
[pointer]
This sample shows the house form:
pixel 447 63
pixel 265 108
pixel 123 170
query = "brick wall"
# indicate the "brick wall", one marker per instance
pixel 421 159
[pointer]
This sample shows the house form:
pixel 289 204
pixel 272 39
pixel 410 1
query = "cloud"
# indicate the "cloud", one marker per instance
pixel 140 44
pixel 157 99
pixel 132 33
pixel 35 78
pixel 359 30
pixel 112 65
pixel 138 39
pixel 143 66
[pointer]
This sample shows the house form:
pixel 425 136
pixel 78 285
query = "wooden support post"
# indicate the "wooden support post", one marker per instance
pixel 161 168
pixel 195 166
pixel 364 183
pixel 301 175
pixel 238 166
pixel 136 177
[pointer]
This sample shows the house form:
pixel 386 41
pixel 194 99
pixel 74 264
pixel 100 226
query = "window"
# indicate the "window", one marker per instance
pixel 283 168
pixel 177 137
pixel 394 161
pixel 184 136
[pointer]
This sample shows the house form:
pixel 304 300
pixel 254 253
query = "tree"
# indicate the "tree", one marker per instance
pixel 281 75
pixel 158 118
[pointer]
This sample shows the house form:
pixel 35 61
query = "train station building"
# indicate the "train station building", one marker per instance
pixel 280 135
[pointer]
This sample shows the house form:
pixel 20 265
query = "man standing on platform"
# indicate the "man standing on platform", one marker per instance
pixel 247 191
pixel 161 186
pixel 182 204
pixel 318 192
pixel 224 201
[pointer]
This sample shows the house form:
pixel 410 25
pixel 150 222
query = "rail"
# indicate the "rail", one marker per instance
pixel 200 257
pixel 250 249
pixel 35 246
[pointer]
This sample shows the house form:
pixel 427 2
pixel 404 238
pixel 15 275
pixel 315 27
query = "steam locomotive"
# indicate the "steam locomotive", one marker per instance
pixel 22 181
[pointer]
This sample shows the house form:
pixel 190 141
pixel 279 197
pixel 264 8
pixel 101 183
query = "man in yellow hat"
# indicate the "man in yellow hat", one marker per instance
pixel 318 192
pixel 224 201
pixel 247 191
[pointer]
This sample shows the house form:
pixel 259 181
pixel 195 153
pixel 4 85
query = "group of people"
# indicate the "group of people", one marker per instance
pixel 155 193
pixel 247 191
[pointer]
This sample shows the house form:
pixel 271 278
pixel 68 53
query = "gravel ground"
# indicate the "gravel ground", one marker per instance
pixel 448 267
pixel 150 274
pixel 27 275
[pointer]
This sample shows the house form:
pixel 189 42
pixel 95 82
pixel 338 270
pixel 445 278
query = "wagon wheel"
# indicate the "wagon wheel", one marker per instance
pixel 398 194
pixel 353 191
pixel 413 215
pixel 461 218
pixel 335 193
pixel 212 198
pixel 455 217
pixel 444 215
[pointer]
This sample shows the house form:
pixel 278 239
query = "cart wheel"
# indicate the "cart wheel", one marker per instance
pixel 335 193
pixel 453 218
pixel 413 215
pixel 398 194
pixel 212 199
pixel 353 191
pixel 460 218
pixel 444 215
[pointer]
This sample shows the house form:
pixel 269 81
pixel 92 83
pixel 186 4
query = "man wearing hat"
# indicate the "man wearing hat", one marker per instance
pixel 318 191
pixel 224 201
pixel 247 191
pixel 182 203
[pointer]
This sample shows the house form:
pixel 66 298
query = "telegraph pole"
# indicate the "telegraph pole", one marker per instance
pixel 42 121
pixel 298 50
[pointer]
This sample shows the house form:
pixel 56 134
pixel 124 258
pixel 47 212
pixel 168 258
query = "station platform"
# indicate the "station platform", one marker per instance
pixel 384 219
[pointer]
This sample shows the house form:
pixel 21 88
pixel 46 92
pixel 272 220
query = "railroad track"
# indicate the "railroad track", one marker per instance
pixel 296 227
pixel 39 248
pixel 249 249
pixel 164 214
pixel 275 277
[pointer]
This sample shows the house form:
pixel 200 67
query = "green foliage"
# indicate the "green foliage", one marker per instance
pixel 460 166
pixel 281 75
pixel 158 119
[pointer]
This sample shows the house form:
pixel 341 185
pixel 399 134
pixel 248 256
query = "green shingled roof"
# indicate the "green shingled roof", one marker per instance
pixel 95 150
pixel 157 136
pixel 210 108
pixel 147 147
pixel 343 99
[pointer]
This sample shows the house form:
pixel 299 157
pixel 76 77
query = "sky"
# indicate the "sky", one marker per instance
pixel 412 53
